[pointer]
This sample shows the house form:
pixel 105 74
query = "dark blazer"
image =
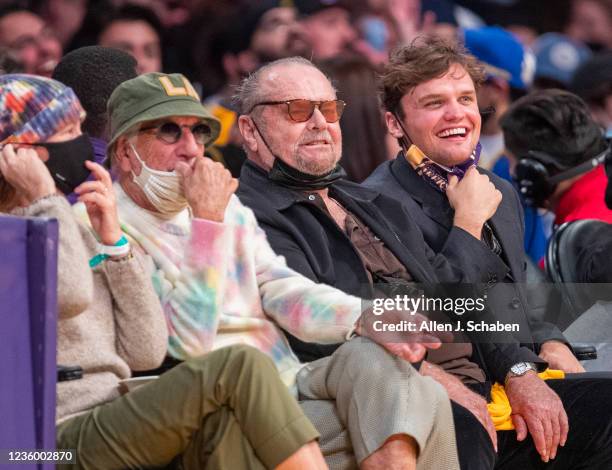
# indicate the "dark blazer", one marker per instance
pixel 315 246
pixel 508 300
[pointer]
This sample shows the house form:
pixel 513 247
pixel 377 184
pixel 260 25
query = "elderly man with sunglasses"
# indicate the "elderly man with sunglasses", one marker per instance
pixel 220 283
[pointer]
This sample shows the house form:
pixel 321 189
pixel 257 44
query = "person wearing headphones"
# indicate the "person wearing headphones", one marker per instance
pixel 559 150
pixel 428 90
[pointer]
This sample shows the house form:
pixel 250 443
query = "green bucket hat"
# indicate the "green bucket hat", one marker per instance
pixel 154 96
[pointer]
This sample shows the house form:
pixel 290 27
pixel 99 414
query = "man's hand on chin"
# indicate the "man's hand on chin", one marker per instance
pixel 537 410
pixel 208 187
pixel 559 356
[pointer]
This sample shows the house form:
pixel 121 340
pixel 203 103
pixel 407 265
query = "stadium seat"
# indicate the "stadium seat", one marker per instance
pixel 28 302
pixel 562 259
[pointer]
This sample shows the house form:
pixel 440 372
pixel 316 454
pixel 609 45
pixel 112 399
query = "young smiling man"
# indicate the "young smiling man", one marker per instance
pixel 429 92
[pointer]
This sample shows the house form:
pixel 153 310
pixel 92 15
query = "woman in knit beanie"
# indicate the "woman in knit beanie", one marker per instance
pixel 101 286
pixel 40 118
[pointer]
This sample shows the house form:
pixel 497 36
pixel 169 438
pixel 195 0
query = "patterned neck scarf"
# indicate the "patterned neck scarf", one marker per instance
pixel 435 174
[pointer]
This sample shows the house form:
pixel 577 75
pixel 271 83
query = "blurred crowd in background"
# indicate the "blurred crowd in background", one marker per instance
pixel 541 120
pixel 525 45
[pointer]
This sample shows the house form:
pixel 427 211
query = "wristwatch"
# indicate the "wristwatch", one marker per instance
pixel 519 369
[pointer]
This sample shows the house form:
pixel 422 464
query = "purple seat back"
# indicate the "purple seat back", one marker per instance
pixel 28 315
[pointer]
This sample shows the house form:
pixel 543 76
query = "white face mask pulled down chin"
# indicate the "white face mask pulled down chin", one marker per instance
pixel 163 189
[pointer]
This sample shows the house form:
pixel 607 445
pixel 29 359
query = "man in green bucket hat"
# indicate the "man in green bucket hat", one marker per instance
pixel 221 284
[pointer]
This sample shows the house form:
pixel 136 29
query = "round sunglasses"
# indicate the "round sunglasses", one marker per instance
pixel 302 110
pixel 171 132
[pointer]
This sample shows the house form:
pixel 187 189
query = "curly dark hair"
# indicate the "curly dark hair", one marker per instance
pixel 93 73
pixel 425 59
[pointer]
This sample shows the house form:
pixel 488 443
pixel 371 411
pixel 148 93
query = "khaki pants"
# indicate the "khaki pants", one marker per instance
pixel 361 395
pixel 225 410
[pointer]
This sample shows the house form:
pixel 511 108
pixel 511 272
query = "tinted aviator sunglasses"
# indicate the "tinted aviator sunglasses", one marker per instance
pixel 171 132
pixel 302 110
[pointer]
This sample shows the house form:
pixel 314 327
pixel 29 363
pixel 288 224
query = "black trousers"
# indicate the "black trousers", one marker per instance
pixel 588 404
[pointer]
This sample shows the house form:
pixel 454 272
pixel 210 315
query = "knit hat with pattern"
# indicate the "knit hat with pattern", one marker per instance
pixel 34 108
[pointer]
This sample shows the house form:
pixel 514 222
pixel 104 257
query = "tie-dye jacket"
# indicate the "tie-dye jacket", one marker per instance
pixel 222 284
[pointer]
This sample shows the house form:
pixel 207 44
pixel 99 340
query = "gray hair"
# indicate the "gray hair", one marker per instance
pixel 248 93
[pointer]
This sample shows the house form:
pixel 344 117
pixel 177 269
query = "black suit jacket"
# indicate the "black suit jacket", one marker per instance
pixel 433 214
pixel 315 246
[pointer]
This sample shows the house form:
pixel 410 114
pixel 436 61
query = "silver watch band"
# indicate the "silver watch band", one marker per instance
pixel 519 369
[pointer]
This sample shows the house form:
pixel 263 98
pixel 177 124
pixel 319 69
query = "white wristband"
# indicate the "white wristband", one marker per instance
pixel 122 247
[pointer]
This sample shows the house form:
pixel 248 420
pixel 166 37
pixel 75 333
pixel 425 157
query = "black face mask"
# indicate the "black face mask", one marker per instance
pixel 66 162
pixel 292 178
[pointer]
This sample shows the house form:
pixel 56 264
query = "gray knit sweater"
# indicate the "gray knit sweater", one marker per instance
pixel 109 318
